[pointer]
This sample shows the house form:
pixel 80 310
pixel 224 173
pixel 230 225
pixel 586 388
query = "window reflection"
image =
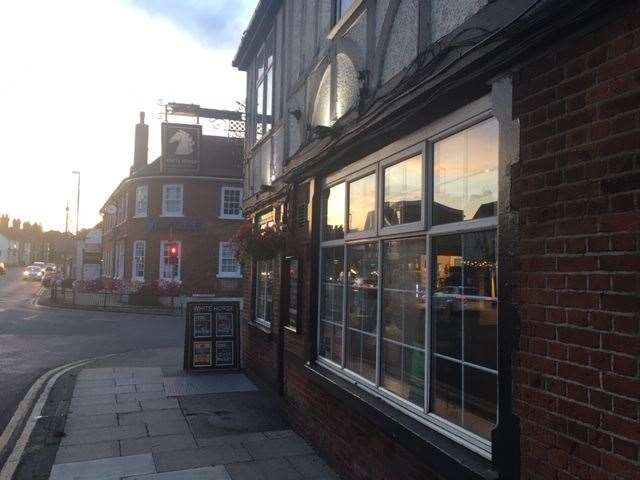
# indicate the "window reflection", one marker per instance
pixel 403 192
pixel 465 172
pixel 362 262
pixel 331 301
pixel 362 204
pixel 333 210
pixel 403 316
pixel 464 322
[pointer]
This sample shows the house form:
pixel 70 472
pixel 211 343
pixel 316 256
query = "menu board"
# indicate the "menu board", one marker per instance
pixel 211 336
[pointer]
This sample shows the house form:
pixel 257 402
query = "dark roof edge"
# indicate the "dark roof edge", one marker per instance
pixel 258 29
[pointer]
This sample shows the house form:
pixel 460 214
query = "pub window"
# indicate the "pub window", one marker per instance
pixel 170 260
pixel 293 292
pixel 172 200
pixel 408 301
pixel 137 269
pixel 264 292
pixel 263 90
pixel 142 200
pixel 228 265
pixel 231 205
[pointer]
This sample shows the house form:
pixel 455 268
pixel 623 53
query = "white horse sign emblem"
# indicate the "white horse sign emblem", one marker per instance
pixel 180 148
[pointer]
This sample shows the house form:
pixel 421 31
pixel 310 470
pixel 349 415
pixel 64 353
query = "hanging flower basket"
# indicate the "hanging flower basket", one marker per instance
pixel 258 244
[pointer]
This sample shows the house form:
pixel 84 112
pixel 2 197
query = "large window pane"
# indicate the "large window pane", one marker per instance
pixel 331 302
pixel 403 316
pixel 480 264
pixel 403 192
pixel 446 391
pixel 264 290
pixel 465 172
pixel 362 261
pixel 464 325
pixel 480 400
pixel 333 210
pixel 362 204
pixel 446 308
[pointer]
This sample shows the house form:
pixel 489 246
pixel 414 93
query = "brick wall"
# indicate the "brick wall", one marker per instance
pixel 577 188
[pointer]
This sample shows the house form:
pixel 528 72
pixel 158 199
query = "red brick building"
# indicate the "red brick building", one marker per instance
pixel 458 184
pixel 195 214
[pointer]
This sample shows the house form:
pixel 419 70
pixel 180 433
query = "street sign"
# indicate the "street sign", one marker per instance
pixel 212 336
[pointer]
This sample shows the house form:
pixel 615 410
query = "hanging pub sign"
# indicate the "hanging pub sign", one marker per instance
pixel 211 336
pixel 180 148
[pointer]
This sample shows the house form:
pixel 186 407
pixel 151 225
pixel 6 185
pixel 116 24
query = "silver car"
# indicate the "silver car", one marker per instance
pixel 32 273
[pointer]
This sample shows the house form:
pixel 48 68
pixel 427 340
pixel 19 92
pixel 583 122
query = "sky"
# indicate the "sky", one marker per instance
pixel 75 73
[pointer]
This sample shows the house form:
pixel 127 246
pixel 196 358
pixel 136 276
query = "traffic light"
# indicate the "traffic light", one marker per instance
pixel 174 252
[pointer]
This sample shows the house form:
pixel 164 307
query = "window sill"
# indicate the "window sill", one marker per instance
pixel 445 456
pixel 260 325
pixel 230 217
pixel 222 275
pixel 139 216
pixel 174 215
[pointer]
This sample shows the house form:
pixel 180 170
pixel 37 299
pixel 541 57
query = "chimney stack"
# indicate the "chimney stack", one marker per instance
pixel 140 152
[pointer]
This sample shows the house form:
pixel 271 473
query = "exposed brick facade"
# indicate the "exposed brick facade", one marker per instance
pixel 202 197
pixel 577 188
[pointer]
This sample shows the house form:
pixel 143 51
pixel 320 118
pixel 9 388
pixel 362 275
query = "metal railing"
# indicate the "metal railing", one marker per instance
pixel 116 301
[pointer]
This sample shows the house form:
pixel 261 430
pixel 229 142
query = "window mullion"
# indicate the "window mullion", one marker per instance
pixel 379 318
pixel 427 326
pixel 345 300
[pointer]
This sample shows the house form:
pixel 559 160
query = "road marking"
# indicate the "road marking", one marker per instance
pixel 31 317
pixel 52 376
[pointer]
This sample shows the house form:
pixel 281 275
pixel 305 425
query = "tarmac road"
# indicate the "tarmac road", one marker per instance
pixel 36 339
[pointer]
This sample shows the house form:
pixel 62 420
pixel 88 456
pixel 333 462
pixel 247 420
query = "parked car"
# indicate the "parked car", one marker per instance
pixel 52 265
pixel 3 269
pixel 32 272
pixel 38 264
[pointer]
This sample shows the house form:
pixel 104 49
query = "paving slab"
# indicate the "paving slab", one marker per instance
pixel 163 443
pixel 137 380
pixel 135 396
pixel 230 439
pixel 151 416
pixel 81 453
pixel 104 468
pixel 93 400
pixel 277 447
pixel 312 466
pixel 273 468
pixel 159 404
pixel 194 385
pixel 103 434
pixel 103 390
pixel 200 457
pixel 174 427
pixel 234 413
pixel 280 433
pixel 79 422
pixel 148 387
pixel 98 382
pixel 204 473
pixel 103 408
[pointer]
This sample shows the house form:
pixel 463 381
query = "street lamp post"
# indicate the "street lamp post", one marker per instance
pixel 76 172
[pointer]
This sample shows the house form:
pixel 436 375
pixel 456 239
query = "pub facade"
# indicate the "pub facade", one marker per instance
pixel 455 192
pixel 172 220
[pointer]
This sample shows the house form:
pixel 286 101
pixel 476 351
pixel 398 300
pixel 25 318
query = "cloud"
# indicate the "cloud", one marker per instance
pixel 217 23
pixel 74 78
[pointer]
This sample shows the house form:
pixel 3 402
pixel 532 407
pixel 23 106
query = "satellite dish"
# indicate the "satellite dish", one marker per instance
pixel 111 209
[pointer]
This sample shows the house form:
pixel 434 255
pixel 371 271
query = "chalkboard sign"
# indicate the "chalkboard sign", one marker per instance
pixel 211 336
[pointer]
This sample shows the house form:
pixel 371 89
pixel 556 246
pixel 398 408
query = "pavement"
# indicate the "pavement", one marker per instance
pixel 137 416
pixel 35 339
